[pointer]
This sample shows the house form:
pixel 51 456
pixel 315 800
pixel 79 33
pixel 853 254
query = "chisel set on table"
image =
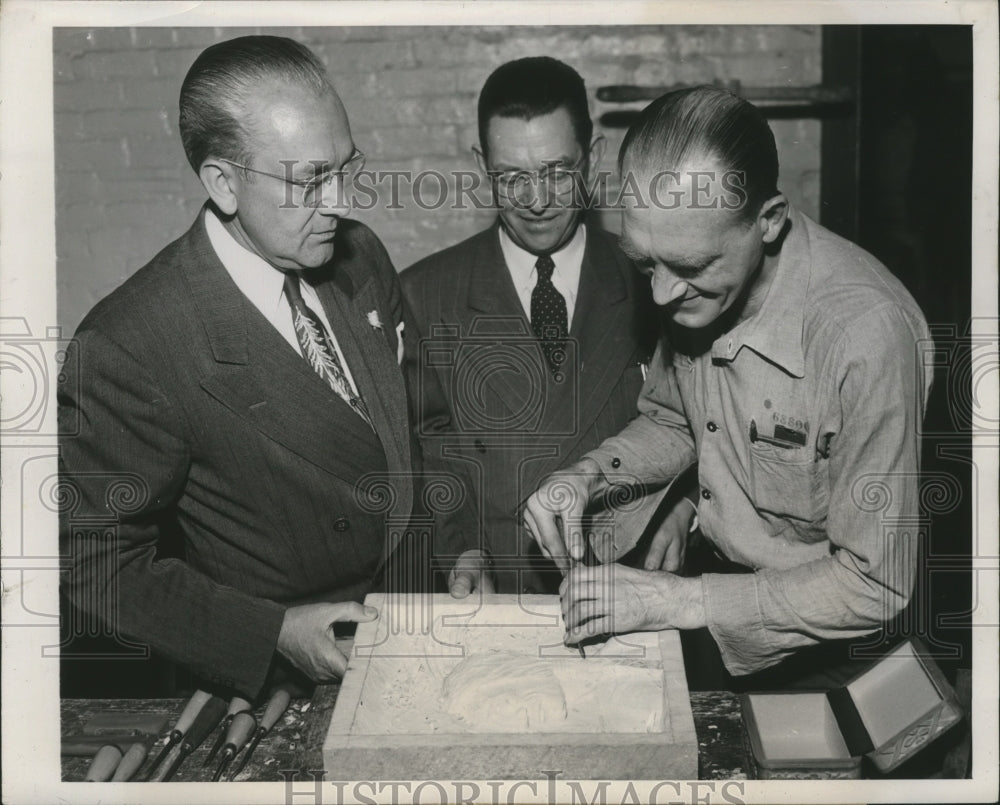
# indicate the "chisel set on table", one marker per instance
pixel 120 742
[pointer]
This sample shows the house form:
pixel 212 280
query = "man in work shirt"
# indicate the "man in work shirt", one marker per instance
pixel 790 374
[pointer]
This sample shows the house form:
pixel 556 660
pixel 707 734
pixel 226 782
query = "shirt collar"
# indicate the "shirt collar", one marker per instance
pixel 775 330
pixel 259 281
pixel 521 262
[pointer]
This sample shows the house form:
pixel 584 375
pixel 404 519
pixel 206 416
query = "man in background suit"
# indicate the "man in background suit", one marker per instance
pixel 243 389
pixel 534 330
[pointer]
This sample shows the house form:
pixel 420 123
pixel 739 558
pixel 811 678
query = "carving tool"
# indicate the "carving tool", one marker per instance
pixel 191 710
pixel 237 705
pixel 207 720
pixel 276 705
pixel 104 764
pixel 131 762
pixel 589 560
pixel 242 726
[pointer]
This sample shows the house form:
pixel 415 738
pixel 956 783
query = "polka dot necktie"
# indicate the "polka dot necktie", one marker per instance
pixel 317 348
pixel 549 320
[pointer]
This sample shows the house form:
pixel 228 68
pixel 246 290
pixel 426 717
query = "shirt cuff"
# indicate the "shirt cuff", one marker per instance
pixel 732 611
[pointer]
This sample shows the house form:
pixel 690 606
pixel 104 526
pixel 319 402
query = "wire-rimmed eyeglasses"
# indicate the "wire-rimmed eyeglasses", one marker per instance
pixel 313 189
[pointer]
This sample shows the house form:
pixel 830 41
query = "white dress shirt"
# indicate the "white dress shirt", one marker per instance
pixel 264 286
pixel 565 276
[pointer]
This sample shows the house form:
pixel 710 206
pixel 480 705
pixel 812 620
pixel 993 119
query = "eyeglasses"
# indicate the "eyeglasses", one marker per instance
pixel 520 185
pixel 312 189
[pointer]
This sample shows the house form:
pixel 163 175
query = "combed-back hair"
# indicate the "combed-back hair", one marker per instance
pixel 221 88
pixel 705 122
pixel 531 87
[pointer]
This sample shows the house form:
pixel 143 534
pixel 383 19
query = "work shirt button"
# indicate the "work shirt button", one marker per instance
pixel 616 462
pixel 712 427
pixel 480 446
pixel 341 524
pixel 706 494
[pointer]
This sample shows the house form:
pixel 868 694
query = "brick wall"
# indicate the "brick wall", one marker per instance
pixel 124 190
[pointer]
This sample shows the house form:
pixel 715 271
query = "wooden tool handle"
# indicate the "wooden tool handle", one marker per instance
pixel 206 721
pixel 104 764
pixel 237 705
pixel 191 710
pixel 166 766
pixel 241 729
pixel 277 705
pixel 131 762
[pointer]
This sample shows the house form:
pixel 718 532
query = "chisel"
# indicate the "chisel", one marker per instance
pixel 237 705
pixel 206 721
pixel 104 764
pixel 242 727
pixel 191 709
pixel 131 762
pixel 276 705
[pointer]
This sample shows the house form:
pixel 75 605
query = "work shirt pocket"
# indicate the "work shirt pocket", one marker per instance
pixel 789 483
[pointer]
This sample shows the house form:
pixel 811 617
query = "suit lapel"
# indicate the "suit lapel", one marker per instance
pixel 261 378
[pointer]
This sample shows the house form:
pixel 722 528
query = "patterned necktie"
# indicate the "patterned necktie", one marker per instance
pixel 317 349
pixel 548 314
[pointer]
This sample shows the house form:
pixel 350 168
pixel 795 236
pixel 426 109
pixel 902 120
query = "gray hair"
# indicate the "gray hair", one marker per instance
pixel 221 86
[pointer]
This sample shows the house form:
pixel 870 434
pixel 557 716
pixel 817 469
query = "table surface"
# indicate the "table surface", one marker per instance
pixel 296 742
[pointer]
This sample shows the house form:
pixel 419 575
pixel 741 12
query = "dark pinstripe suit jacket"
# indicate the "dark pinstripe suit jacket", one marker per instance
pixel 485 402
pixel 194 411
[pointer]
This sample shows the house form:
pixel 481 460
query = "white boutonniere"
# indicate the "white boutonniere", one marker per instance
pixel 374 320
pixel 399 343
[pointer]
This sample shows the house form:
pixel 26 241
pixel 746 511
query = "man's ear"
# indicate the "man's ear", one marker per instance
pixel 595 155
pixel 773 214
pixel 480 160
pixel 220 181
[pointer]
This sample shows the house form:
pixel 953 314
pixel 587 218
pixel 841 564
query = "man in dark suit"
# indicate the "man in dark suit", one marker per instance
pixel 534 331
pixel 243 389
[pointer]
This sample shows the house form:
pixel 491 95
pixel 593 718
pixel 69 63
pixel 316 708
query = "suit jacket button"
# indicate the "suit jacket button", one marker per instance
pixel 616 462
pixel 480 446
pixel 341 524
pixel 528 590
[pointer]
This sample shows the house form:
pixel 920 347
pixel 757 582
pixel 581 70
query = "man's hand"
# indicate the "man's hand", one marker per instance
pixel 669 545
pixel 306 639
pixel 471 572
pixel 615 599
pixel 553 514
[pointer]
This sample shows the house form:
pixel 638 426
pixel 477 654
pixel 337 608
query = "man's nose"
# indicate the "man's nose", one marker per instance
pixel 535 196
pixel 666 287
pixel 335 200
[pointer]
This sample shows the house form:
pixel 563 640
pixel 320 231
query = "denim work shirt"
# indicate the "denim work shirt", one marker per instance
pixel 804 419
